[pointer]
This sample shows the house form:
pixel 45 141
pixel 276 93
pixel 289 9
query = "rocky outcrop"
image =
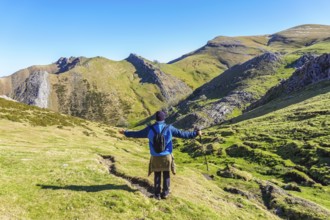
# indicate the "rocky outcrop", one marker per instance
pixel 231 79
pixel 287 206
pixel 214 113
pixel 260 61
pixel 301 61
pixel 220 109
pixel 227 42
pixel 171 88
pixel 34 90
pixel 316 70
pixel 64 64
pixel 232 172
pixel 230 90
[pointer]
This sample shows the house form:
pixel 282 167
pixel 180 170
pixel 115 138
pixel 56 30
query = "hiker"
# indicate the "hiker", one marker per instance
pixel 162 161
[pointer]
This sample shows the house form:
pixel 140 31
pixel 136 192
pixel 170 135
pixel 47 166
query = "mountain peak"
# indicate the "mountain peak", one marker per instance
pixel 309 27
pixel 302 35
pixel 64 64
pixel 171 88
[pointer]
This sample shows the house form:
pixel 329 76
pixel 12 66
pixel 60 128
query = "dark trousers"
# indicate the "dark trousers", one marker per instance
pixel 166 182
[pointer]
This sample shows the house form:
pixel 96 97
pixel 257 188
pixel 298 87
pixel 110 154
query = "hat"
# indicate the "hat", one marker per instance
pixel 160 116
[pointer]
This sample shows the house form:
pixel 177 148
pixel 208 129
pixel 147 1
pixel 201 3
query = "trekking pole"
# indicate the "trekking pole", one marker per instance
pixel 205 158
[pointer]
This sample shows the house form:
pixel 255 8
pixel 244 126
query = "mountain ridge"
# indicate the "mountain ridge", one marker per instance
pixel 148 86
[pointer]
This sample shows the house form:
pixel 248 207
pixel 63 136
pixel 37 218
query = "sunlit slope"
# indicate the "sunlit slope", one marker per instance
pixel 228 94
pixel 55 166
pixel 285 142
pixel 99 89
pixel 299 37
pixel 105 90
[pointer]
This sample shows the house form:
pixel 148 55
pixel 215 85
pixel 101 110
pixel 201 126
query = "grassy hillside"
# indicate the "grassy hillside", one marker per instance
pixel 285 142
pixel 299 36
pixel 194 70
pixel 105 90
pixel 114 92
pixel 269 166
pixel 57 167
pixel 228 94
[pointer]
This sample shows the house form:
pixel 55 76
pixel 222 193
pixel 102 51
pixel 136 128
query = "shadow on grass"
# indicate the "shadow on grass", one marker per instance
pixel 93 188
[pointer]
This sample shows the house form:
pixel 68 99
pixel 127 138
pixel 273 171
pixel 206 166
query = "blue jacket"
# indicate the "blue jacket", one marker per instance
pixel 168 134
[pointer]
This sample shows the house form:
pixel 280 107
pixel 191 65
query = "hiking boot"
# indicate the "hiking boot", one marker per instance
pixel 158 197
pixel 165 196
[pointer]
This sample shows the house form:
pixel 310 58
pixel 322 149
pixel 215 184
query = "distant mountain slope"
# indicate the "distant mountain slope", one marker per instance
pixel 224 52
pixel 300 36
pixel 236 88
pixel 314 71
pixel 230 92
pixel 230 51
pixel 99 89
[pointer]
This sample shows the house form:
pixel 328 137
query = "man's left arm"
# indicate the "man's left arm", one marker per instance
pixel 183 134
pixel 136 134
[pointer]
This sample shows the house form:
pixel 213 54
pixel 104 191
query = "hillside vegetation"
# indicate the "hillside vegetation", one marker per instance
pixel 263 104
pixel 276 164
pixel 231 92
pixel 59 169
pixel 285 142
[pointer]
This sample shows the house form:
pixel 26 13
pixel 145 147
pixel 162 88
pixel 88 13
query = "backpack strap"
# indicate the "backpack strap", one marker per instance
pixel 153 129
pixel 164 129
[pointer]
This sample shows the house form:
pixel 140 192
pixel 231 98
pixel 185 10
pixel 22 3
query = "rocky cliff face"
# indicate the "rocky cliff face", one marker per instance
pixel 171 88
pixel 302 60
pixel 34 90
pixel 318 69
pixel 315 70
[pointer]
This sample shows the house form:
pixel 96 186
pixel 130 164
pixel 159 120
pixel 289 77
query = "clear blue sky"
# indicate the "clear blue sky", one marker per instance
pixel 41 31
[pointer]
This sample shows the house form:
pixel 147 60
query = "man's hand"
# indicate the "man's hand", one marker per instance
pixel 122 131
pixel 198 131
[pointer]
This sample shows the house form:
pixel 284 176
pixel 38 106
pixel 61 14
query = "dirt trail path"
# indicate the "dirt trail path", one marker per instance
pixel 143 185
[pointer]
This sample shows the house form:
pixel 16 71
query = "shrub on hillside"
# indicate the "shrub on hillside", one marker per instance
pixel 232 172
pixel 298 177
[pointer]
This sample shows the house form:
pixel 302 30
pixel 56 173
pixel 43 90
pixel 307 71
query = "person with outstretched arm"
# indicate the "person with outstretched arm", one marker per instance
pixel 161 160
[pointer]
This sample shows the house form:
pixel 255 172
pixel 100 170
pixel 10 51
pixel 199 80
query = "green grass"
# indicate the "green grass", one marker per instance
pixel 295 135
pixel 57 172
pixel 285 141
pixel 51 164
pixel 195 70
pixel 116 96
pixel 318 48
